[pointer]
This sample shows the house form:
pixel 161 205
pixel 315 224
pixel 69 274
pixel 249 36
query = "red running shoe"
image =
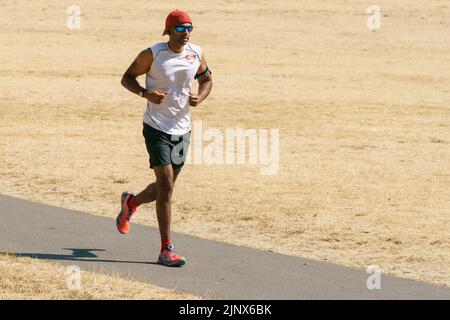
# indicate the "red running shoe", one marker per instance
pixel 169 258
pixel 123 219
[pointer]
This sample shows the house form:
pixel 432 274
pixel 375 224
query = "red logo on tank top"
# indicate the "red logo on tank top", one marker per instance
pixel 190 58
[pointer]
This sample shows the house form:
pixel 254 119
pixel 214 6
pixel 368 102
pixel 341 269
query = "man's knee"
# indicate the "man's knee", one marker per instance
pixel 165 184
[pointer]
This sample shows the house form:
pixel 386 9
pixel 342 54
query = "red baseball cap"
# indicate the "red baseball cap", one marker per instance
pixel 176 17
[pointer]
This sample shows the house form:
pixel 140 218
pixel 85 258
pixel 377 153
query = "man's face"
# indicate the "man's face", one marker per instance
pixel 180 37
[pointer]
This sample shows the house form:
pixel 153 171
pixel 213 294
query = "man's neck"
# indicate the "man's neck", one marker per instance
pixel 175 48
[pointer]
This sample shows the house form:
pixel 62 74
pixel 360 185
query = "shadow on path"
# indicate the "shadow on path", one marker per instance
pixel 87 255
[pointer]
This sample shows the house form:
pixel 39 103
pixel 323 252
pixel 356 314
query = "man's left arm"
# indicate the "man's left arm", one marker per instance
pixel 204 79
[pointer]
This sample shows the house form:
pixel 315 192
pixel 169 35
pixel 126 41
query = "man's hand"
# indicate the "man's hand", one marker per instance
pixel 156 96
pixel 194 100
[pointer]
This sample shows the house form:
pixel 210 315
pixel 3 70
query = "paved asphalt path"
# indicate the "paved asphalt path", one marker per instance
pixel 214 270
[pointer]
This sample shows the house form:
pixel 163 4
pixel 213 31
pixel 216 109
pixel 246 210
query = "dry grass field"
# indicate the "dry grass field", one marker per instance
pixel 364 120
pixel 25 278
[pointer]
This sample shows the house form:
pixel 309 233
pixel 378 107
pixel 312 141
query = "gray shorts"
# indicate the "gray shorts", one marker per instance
pixel 164 148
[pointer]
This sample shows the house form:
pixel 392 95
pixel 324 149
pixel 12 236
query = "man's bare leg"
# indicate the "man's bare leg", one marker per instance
pixel 164 189
pixel 161 191
pixel 149 194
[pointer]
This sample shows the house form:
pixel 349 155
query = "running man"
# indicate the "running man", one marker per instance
pixel 170 68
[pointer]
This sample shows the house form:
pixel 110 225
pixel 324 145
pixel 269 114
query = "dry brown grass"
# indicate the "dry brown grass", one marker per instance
pixel 30 279
pixel 364 123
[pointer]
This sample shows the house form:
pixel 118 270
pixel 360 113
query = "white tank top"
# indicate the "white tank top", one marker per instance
pixel 172 72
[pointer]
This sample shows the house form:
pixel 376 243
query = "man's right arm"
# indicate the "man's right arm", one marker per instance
pixel 141 65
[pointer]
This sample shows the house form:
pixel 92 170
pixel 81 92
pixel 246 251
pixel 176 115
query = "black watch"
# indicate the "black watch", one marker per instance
pixel 142 92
